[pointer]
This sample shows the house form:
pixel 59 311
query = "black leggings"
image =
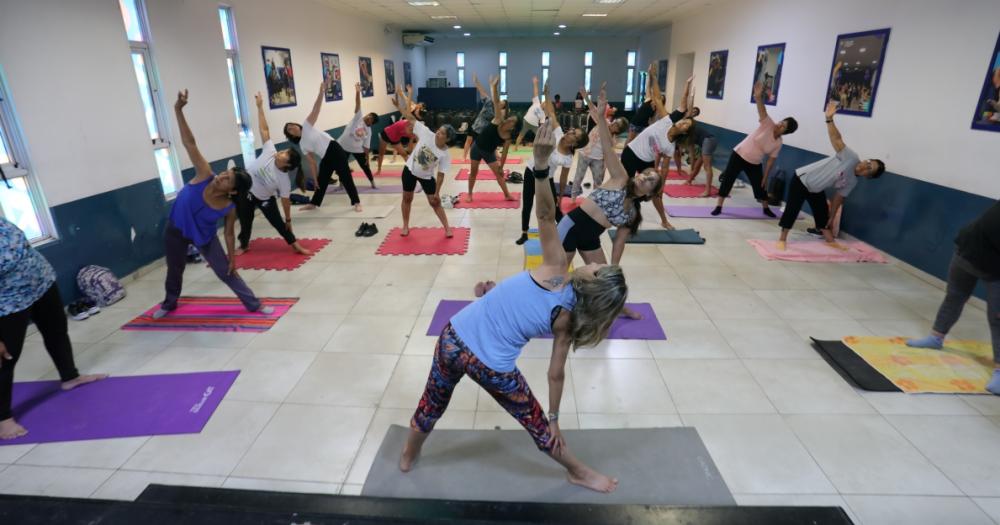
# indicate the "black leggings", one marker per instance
pixel 736 164
pixel 47 314
pixel 335 159
pixel 796 196
pixel 245 211
pixel 363 162
pixel 528 198
pixel 632 163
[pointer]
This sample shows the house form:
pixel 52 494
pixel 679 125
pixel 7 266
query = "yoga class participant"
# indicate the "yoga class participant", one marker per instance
pixel 28 294
pixel 193 221
pixel 645 113
pixel 535 114
pixel 484 147
pixel 976 258
pixel 429 159
pixel 748 154
pixel 688 113
pixel 701 148
pixel 592 156
pixel 356 139
pixel 393 135
pixel 839 173
pixel 484 340
pixel 657 139
pixel 331 154
pixel 269 176
pixel 483 118
pixel 562 156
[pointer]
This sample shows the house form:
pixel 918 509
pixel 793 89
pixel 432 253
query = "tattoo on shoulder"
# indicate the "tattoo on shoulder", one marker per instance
pixel 556 281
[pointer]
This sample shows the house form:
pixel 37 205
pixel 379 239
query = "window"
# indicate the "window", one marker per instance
pixel 545 67
pixel 503 75
pixel 588 63
pixel 460 61
pixel 137 30
pixel 236 85
pixel 630 81
pixel 21 200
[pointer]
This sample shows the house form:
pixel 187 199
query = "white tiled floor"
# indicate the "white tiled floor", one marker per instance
pixel 318 391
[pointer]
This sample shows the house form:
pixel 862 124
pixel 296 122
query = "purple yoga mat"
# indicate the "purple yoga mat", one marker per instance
pixel 648 328
pixel 729 212
pixel 118 407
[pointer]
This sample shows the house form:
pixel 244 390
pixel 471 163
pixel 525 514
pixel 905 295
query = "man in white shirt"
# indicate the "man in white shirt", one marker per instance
pixel 357 136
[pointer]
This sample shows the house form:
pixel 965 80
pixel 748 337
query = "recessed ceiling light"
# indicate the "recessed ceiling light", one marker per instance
pixel 457 27
pixel 444 17
pixel 595 14
pixel 843 51
pixel 862 50
pixel 422 3
pixel 467 34
pixel 857 63
pixel 556 33
pixel 562 26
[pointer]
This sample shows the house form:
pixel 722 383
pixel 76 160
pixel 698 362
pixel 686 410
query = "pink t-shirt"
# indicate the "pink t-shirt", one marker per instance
pixel 760 143
pixel 397 130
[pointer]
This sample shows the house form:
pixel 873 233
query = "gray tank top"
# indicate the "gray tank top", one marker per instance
pixel 612 203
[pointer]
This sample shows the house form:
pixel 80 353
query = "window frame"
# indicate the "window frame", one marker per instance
pixel 238 85
pixel 460 65
pixel 631 58
pixel 546 63
pixel 588 64
pixel 502 59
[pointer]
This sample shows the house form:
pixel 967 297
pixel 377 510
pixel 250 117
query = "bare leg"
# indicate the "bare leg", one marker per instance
pixel 658 204
pixel 709 176
pixel 498 173
pixel 411 450
pixel 695 168
pixel 580 474
pixel 405 207
pixel 381 155
pixel 10 429
pixel 473 171
pixel 435 203
pixel 398 150
pixel 468 145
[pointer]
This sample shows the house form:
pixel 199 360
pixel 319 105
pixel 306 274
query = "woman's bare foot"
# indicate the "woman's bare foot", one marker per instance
pixel 83 380
pixel 631 314
pixel 468 197
pixel 667 226
pixel 508 197
pixel 241 251
pixel 357 207
pixel 405 231
pixel 782 245
pixel 408 457
pixel 837 246
pixel 10 429
pixel 308 207
pixel 448 234
pixel 593 480
pixel 706 193
pixel 299 249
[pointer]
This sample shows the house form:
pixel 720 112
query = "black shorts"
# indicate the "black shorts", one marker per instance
pixel 410 183
pixel 579 231
pixel 386 138
pixel 488 157
pixel 633 164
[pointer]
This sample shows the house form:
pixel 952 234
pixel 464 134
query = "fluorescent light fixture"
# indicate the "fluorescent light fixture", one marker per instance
pixel 843 51
pixel 467 34
pixel 423 3
pixel 857 63
pixel 595 14
pixel 444 17
pixel 457 27
pixel 608 1
pixel 562 26
pixel 556 33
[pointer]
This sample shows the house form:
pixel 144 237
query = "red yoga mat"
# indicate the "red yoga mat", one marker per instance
pixel 385 173
pixel 489 199
pixel 276 254
pixel 677 175
pixel 687 190
pixel 510 160
pixel 425 241
pixel 567 205
pixel 487 174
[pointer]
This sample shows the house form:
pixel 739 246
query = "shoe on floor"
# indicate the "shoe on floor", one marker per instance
pixel 77 311
pixel 814 231
pixel 361 229
pixel 370 230
pixel 91 306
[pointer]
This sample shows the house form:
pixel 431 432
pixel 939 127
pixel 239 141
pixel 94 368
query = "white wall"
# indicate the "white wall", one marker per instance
pixel 934 68
pixel 83 119
pixel 524 59
pixel 654 46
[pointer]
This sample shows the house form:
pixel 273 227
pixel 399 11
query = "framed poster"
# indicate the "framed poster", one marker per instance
pixel 767 71
pixel 331 76
pixel 856 70
pixel 987 115
pixel 279 76
pixel 661 74
pixel 407 74
pixel 365 66
pixel 716 84
pixel 390 77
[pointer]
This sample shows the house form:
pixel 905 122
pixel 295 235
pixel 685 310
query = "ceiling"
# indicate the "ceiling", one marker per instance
pixel 523 17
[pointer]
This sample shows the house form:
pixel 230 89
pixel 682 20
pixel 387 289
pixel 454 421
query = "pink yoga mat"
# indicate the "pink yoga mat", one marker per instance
pixel 567 204
pixel 818 251
pixel 118 407
pixel 687 190
pixel 425 241
pixel 213 314
pixel 489 199
pixel 275 254
pixel 728 212
pixel 487 174
pixel 510 160
pixel 677 175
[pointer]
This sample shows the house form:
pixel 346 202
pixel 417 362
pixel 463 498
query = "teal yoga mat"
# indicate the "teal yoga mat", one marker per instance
pixel 663 237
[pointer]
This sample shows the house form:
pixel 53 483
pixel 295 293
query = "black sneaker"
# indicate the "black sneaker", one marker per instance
pixel 769 213
pixel 77 312
pixel 361 229
pixel 522 239
pixel 814 231
pixel 91 306
pixel 370 230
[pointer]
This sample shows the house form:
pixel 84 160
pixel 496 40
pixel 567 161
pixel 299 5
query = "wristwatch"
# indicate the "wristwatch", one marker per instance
pixel 553 417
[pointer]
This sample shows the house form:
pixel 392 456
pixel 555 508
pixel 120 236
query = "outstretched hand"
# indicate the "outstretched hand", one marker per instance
pixel 545 142
pixel 831 109
pixel 357 87
pixel 259 100
pixel 556 442
pixel 758 90
pixel 182 99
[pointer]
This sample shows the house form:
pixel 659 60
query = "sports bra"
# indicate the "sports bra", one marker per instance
pixel 612 203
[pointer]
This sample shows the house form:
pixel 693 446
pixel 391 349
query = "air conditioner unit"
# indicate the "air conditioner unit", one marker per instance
pixel 417 39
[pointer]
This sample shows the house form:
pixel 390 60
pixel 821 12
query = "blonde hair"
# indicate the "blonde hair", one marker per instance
pixel 599 301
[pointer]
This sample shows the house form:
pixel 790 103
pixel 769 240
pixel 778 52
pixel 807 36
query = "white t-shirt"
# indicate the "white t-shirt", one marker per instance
pixel 594 149
pixel 428 159
pixel 535 114
pixel 653 141
pixel 314 140
pixel 357 135
pixel 555 158
pixel 268 180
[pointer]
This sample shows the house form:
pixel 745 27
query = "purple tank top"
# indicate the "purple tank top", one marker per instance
pixel 193 216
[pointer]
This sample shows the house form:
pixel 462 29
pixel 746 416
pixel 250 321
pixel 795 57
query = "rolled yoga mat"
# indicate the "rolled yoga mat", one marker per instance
pixel 118 407
pixel 655 466
pixel 662 237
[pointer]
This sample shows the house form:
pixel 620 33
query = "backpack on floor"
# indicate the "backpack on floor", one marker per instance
pixel 515 177
pixel 100 285
pixel 776 185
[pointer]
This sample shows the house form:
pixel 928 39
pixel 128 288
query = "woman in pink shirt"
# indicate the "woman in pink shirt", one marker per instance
pixel 748 155
pixel 393 134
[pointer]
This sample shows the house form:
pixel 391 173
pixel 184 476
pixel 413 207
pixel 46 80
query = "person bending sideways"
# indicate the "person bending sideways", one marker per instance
pixel 747 155
pixel 28 294
pixel 270 182
pixel 357 135
pixel 483 118
pixel 592 156
pixel 395 135
pixel 976 258
pixel 498 132
pixel 194 219
pixel 429 159
pixel 839 173
pixel 535 114
pixel 484 340
pixel 319 144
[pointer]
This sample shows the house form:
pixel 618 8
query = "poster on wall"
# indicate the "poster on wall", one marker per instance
pixel 279 76
pixel 768 72
pixel 365 66
pixel 661 75
pixel 717 61
pixel 856 70
pixel 407 74
pixel 390 77
pixel 988 107
pixel 331 76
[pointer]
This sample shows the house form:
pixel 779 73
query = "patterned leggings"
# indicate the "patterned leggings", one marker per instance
pixel 452 360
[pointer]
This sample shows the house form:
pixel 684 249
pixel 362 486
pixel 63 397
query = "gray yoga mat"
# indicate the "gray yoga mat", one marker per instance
pixel 688 236
pixel 656 466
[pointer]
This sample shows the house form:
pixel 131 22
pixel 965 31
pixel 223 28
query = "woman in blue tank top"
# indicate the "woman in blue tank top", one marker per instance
pixel 484 340
pixel 194 219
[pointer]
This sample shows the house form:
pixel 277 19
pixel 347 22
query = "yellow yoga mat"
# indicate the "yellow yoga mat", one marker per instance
pixel 961 367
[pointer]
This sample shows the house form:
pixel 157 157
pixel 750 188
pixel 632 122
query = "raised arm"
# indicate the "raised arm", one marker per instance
pixel 687 93
pixel 554 262
pixel 265 132
pixel 314 114
pixel 654 88
pixel 201 168
pixel 405 105
pixel 534 87
pixel 758 95
pixel 835 139
pixel 482 91
pixel 612 161
pixel 357 97
pixel 498 114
